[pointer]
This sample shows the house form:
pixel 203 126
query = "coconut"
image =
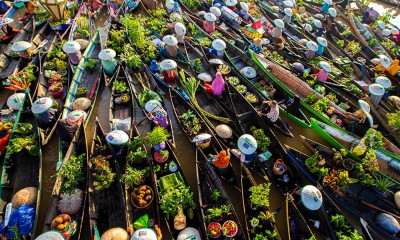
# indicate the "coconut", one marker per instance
pixel 115 234
pixel 70 203
pixel 26 195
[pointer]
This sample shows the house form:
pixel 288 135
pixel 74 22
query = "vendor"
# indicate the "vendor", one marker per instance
pixel 160 117
pixel 326 5
pixel 279 44
pixel 8 30
pixel 221 161
pixel 30 10
pixel 66 128
pixel 323 73
pixel 322 43
pixel 312 48
pixel 363 125
pixel 288 15
pixel 276 32
pixel 108 61
pixel 343 4
pixel 383 64
pixel 231 4
pixel 256 46
pixel 273 113
pixel 45 114
pixel 218 48
pixel 395 35
pixel 22 48
pixel 294 107
pixel 209 23
pixel 180 31
pixel 168 67
pixel 330 18
pixel 217 86
pixel 244 11
pixel 171 49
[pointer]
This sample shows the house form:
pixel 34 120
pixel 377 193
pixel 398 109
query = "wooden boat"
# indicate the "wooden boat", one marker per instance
pixel 77 148
pixel 14 13
pixel 208 185
pixel 356 199
pixel 267 226
pixel 22 170
pixel 82 12
pixel 106 206
pixel 180 107
pixel 368 232
pixel 388 161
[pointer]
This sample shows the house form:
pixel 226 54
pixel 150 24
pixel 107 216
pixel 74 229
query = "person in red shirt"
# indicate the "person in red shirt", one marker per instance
pixel 4 142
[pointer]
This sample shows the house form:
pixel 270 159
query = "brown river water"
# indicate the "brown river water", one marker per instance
pixel 185 152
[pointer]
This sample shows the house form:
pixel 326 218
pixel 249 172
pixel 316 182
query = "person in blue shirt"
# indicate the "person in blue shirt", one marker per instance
pixel 325 6
pixel 256 46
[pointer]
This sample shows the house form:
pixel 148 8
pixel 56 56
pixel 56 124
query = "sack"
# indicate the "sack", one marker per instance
pixel 271 91
pixel 122 124
pixel 81 104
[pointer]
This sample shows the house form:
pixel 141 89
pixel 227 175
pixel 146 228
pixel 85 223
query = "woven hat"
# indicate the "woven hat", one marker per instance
pixel 319 16
pixel 107 54
pixel 26 195
pixel 210 17
pixel 257 42
pixel 189 233
pixel 5 21
pixel 42 105
pixel 325 65
pixel 288 12
pixel 308 27
pixel 224 131
pixel 15 101
pixel 317 23
pixel 160 113
pixel 384 81
pixel 298 66
pixel 381 24
pixel 170 40
pixel 231 3
pixel 303 42
pixel 168 64
pixel 329 2
pixel 394 31
pixel 288 4
pixel 311 197
pixel 144 233
pixel 247 144
pixel 386 32
pixel 279 23
pixel 364 106
pixel 322 41
pixel 21 46
pixel 216 11
pixel 152 105
pixel 218 44
pixel 71 47
pixel 312 46
pixel 51 235
pixel 75 116
pixel 216 61
pixel 115 234
pixel 117 137
pixel 385 61
pixel 201 137
pixel 205 77
pixel 376 89
pixel 180 28
pixel 332 12
pixel 244 6
pixel 265 41
pixel 248 72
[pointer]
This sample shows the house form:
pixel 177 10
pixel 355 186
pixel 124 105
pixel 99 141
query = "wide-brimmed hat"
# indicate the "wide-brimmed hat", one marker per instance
pixel 381 24
pixel 332 12
pixel 325 65
pixel 5 21
pixel 248 72
pixel 231 3
pixel 75 116
pixel 386 32
pixel 376 89
pixel 210 17
pixel 160 113
pixel 15 101
pixel 311 197
pixel 169 4
pixel 71 47
pixel 288 12
pixel 180 28
pixel 170 40
pixel 247 144
pixel 384 81
pixel 364 106
pixel 216 61
pixel 53 235
pixel 189 233
pixel 201 137
pixel 144 233
pixel 312 46
pixel 317 23
pixel 288 3
pixel 279 23
pixel 205 77
pixel 117 137
pixel 303 41
pixel 322 41
pixel 298 66
pixel 152 105
pixel 257 42
pixel 218 44
pixel 216 11
pixel 385 61
pixel 42 105
pixel 265 41
pixel 107 54
pixel 244 6
pixel 21 46
pixel 329 2
pixel 224 131
pixel 168 64
pixel 319 16
pixel 394 31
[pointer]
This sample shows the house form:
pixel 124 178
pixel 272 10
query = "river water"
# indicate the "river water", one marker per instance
pixel 184 151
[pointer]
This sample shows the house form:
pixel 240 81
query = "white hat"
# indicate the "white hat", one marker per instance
pixel 5 21
pixel 168 64
pixel 75 116
pixel 218 44
pixel 20 46
pixel 201 137
pixel 42 105
pixel 189 233
pixel 381 24
pixel 107 54
pixel 71 47
pixel 325 66
pixel 312 46
pixel 385 61
pixel 247 144
pixel 376 89
pixel 311 197
pixel 288 3
pixel 210 17
pixel 216 61
pixel 332 12
pixel 248 72
pixel 288 12
pixel 51 235
pixel 375 61
pixel 205 77
pixel 231 3
pixel 384 81
pixel 303 42
pixel 322 41
pixel 169 4
pixel 152 105
pixel 144 233
pixel 170 40
pixel 216 11
pixel 15 101
pixel 386 32
pixel 265 41
pixel 317 23
pixel 394 31
pixel 180 29
pixel 117 137
pixel 224 131
pixel 329 2
pixel 279 23
pixel 244 6
pixel 364 105
pixel 319 16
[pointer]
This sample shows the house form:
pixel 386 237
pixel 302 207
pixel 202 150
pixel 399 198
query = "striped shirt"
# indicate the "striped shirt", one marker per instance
pixel 273 114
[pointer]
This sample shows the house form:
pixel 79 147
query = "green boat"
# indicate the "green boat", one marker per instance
pixel 341 139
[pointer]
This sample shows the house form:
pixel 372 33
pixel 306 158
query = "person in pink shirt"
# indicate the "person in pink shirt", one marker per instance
pixel 322 74
pixel 209 23
pixel 218 84
pixel 312 48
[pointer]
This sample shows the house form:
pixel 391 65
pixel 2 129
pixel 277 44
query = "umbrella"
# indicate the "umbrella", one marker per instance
pixel 218 44
pixel 205 77
pixel 15 101
pixel 152 105
pixel 117 137
pixel 311 197
pixel 168 64
pixel 5 21
pixel 71 47
pixel 224 131
pixel 144 234
pixel 20 46
pixel 247 144
pixel 210 17
pixel 42 105
pixel 189 233
pixel 75 116
pixel 201 137
pixel 248 72
pixel 107 54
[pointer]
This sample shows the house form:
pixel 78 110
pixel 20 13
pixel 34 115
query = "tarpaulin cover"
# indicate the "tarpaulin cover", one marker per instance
pixel 23 218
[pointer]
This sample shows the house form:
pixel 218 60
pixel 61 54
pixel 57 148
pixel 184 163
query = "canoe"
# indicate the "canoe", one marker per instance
pixel 23 169
pixel 389 162
pixel 247 182
pixel 78 148
pixel 14 13
pixel 207 184
pixel 356 197
pixel 90 79
pixel 180 107
pixel 106 206
pixel 83 12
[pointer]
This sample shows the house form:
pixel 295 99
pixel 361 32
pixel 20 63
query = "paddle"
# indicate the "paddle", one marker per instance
pixel 379 209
